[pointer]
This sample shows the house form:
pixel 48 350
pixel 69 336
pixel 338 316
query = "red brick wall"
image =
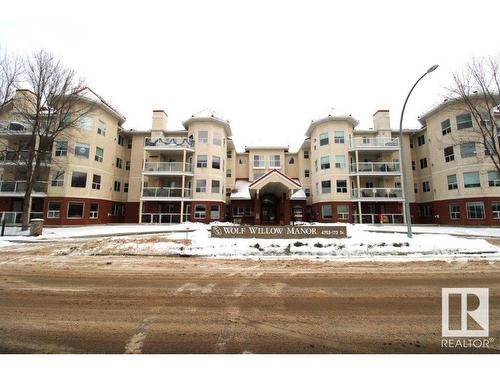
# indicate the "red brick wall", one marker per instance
pixel 103 213
pixel 207 204
pixel 317 216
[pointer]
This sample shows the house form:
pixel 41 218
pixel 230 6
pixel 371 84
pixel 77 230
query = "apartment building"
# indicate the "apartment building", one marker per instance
pixel 102 173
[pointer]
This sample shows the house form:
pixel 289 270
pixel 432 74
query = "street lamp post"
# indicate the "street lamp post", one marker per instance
pixel 403 165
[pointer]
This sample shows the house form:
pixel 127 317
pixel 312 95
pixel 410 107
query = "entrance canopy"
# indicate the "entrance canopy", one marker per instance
pixel 274 182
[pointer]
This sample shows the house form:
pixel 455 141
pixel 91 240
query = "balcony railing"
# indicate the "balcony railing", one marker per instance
pixel 163 218
pixel 374 142
pixel 375 167
pixel 20 187
pixel 168 167
pixel 377 193
pixel 15 128
pixel 379 218
pixel 21 157
pixel 169 143
pixel 166 192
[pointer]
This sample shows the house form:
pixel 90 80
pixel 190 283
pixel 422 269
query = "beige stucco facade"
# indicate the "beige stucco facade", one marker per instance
pixel 341 172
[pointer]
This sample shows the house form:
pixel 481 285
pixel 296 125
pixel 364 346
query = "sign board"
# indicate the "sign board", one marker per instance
pixel 278 232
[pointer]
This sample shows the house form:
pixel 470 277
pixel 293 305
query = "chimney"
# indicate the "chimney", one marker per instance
pixel 382 121
pixel 160 118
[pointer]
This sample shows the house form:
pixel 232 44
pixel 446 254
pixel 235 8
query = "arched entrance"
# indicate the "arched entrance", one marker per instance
pixel 270 209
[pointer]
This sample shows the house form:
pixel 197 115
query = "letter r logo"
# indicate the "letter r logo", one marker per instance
pixel 478 314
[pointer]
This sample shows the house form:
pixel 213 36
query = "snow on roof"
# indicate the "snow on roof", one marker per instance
pixel 332 114
pixel 210 114
pixel 241 191
pixel 88 93
pixel 298 195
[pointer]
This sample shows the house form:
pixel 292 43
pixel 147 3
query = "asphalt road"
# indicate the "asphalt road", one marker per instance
pixel 117 304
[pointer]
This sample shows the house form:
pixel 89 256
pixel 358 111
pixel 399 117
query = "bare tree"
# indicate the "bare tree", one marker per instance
pixel 10 74
pixel 51 106
pixel 476 90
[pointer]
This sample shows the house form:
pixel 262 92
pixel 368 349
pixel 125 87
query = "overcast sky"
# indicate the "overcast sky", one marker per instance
pixel 269 67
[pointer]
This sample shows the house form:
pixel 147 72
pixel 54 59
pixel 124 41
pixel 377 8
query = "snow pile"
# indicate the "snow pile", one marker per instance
pixel 360 244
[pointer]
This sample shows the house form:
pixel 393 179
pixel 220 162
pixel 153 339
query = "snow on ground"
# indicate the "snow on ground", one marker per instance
pixel 465 231
pixel 361 244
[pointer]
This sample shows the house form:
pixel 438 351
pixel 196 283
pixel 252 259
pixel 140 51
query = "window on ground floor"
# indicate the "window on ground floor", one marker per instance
pixel 94 211
pixel 199 211
pixel 75 210
pixel 343 212
pixel 326 211
pixel 454 211
pixel 215 212
pixel 475 210
pixel 495 206
pixel 54 210
pixel 298 213
pixel 242 211
pixel 426 211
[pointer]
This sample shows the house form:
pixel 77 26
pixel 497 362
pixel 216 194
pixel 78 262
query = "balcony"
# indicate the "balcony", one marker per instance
pixel 377 194
pixel 169 144
pixel 375 168
pixel 166 193
pixel 9 157
pixel 14 128
pixel 374 143
pixel 168 168
pixel 18 188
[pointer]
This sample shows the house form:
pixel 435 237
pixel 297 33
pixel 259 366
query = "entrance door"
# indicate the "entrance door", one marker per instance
pixel 269 209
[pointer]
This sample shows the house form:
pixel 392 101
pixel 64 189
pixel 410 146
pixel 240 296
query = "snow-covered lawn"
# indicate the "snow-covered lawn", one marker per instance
pixel 361 244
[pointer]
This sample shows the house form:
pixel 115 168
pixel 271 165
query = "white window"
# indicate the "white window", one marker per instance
pixel 274 161
pixel 323 139
pixel 215 162
pixel 325 162
pixel 308 192
pixel 85 123
pixel 423 163
pixel 291 160
pixel 61 148
pixel 467 150
pixel 495 206
pixel 79 179
pixel 99 154
pixel 217 139
pixel 464 121
pixel 215 186
pixel 125 187
pixel 306 173
pixel 201 161
pixel 446 127
pixel 228 173
pixel 472 180
pixel 202 136
pixel 257 175
pixel 199 211
pixel 214 212
pixel 452 182
pixel 475 210
pixel 426 186
pixel 493 178
pixel 94 211
pixel 75 210
pixel 96 182
pixel 57 178
pixel 54 210
pixel 340 161
pixel 326 211
pixel 242 161
pixel 306 154
pixel 449 154
pixel 121 140
pixel 421 140
pixel 201 186
pixel 338 136
pixel 119 163
pixel 127 165
pixel 454 211
pixel 101 128
pixel 326 187
pixel 341 186
pixel 343 212
pixel 117 186
pixel 82 150
pixel 258 161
